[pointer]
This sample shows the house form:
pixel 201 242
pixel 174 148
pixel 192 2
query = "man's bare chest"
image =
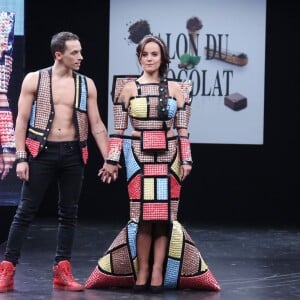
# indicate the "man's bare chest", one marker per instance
pixel 63 93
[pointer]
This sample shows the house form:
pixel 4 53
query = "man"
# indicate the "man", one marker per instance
pixel 55 107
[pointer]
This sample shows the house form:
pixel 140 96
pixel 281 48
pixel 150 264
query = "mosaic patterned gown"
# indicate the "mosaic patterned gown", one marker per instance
pixel 7 131
pixel 154 187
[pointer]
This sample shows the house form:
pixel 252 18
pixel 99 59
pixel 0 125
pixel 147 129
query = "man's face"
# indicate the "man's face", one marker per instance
pixel 72 56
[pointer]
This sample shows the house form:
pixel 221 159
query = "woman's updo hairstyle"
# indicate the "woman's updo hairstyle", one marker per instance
pixel 165 58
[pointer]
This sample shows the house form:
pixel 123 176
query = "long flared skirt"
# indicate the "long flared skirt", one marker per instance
pixel 154 190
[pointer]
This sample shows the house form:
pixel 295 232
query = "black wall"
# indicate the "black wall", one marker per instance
pixel 230 184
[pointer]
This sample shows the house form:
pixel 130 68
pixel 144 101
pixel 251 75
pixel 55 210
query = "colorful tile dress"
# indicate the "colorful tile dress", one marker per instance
pixel 153 176
pixel 7 131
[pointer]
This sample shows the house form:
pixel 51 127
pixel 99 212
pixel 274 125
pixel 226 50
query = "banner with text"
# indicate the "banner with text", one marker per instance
pixel 219 45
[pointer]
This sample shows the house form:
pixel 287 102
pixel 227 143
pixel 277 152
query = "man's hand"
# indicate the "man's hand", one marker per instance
pixel 22 170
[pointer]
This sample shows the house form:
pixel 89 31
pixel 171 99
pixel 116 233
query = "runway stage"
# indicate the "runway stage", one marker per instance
pixel 249 263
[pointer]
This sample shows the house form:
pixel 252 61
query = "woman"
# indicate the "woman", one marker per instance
pixel 153 250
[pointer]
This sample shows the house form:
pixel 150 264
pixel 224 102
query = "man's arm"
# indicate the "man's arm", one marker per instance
pixel 98 128
pixel 26 98
pixel 99 132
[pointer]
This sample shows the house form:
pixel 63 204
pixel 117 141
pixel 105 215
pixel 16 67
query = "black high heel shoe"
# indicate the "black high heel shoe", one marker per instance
pixel 156 289
pixel 139 288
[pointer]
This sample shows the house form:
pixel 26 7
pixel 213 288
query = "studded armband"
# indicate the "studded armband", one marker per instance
pixel 21 156
pixel 120 116
pixel 7 134
pixel 114 149
pixel 182 117
pixel 185 150
pixel 183 114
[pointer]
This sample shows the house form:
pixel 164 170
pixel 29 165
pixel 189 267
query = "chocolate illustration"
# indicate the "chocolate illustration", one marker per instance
pixel 191 59
pixel 236 58
pixel 138 30
pixel 235 101
pixel 193 25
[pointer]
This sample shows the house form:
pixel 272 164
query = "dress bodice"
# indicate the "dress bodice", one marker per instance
pixel 143 109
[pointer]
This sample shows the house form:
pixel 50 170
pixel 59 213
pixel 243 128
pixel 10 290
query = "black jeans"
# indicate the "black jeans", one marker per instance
pixel 62 162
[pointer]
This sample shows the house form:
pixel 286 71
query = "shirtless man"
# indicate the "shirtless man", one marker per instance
pixel 55 108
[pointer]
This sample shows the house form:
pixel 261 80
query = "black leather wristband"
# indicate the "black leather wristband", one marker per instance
pixel 21 159
pixel 111 162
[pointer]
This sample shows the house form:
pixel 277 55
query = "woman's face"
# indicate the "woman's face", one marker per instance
pixel 150 58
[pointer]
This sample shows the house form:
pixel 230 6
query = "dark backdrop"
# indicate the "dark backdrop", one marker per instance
pixel 230 184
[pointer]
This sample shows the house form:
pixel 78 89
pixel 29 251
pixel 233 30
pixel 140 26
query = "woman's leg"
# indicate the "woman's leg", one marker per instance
pixel 144 240
pixel 160 252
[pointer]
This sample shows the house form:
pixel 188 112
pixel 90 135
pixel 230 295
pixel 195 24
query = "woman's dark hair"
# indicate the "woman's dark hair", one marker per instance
pixel 162 107
pixel 165 58
pixel 58 41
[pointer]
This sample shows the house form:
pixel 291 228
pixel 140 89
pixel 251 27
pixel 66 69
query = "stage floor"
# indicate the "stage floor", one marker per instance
pixel 249 263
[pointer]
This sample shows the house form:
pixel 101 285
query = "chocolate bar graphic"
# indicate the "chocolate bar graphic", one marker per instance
pixel 235 101
pixel 240 59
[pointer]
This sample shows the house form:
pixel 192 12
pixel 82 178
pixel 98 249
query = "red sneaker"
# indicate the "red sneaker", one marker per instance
pixel 63 278
pixel 7 273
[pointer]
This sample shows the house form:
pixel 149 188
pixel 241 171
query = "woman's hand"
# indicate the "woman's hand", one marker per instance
pixel 185 170
pixel 6 163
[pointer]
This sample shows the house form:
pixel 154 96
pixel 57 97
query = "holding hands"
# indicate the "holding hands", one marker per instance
pixel 109 172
